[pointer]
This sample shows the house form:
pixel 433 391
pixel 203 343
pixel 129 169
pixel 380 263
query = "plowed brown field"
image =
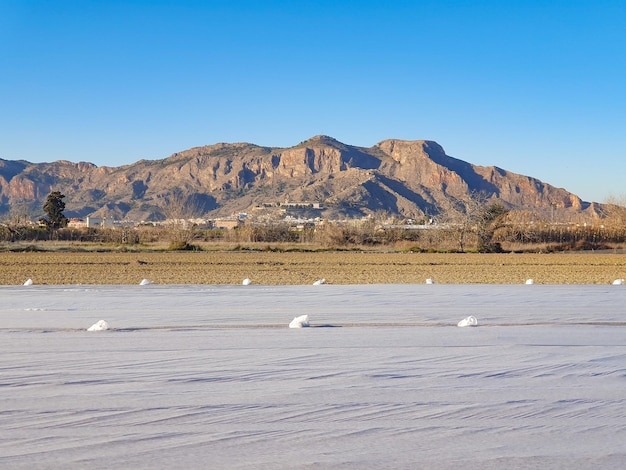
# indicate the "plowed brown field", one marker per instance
pixel 304 268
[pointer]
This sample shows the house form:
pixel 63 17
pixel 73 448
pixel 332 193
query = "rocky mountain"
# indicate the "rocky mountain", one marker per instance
pixel 407 178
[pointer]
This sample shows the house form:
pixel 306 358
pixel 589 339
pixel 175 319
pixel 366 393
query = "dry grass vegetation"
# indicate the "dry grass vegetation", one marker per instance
pixel 365 252
pixel 280 267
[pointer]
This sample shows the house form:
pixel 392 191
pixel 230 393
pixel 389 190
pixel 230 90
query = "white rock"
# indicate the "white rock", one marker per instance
pixel 529 281
pixel 319 282
pixel 28 282
pixel 618 282
pixel 469 321
pixel 99 326
pixel 300 322
pixel 429 281
pixel 145 282
pixel 246 282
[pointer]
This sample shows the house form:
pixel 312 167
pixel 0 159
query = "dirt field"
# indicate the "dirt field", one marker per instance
pixel 275 268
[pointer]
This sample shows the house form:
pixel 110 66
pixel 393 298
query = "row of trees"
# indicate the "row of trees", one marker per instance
pixel 470 225
pixel 508 237
pixel 19 226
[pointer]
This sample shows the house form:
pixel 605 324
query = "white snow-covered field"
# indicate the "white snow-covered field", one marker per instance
pixel 213 377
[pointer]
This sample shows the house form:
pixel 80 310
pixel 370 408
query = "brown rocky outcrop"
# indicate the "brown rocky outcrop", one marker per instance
pixel 407 178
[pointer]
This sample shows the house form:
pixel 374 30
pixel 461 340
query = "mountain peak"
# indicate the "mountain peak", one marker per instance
pixel 409 178
pixel 391 145
pixel 321 139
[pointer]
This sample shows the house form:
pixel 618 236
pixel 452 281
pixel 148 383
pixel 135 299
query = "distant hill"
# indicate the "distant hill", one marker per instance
pixel 410 179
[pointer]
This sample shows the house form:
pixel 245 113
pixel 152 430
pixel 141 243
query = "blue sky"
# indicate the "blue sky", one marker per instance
pixel 534 87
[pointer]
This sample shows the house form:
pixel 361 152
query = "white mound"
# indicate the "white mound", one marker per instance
pixel 618 282
pixel 99 326
pixel 469 321
pixel 429 281
pixel 319 282
pixel 300 322
pixel 28 282
pixel 145 282
pixel 529 281
pixel 246 282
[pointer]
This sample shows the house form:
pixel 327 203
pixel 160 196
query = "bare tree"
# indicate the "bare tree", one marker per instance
pixel 461 216
pixel 490 218
pixel 616 210
pixel 180 210
pixel 615 217
pixel 15 224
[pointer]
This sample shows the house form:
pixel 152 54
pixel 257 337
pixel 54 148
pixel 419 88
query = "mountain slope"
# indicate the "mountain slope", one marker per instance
pixel 407 178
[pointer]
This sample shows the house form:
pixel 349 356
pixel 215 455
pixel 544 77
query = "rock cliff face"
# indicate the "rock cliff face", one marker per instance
pixel 407 178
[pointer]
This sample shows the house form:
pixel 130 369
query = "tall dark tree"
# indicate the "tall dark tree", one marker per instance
pixel 54 207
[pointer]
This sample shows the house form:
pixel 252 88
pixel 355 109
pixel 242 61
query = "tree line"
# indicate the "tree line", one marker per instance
pixel 475 224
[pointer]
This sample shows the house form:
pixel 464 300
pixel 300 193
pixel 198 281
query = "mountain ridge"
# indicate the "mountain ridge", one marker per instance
pixel 407 178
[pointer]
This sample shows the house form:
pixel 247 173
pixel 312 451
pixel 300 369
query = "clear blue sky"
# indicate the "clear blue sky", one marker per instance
pixel 537 87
